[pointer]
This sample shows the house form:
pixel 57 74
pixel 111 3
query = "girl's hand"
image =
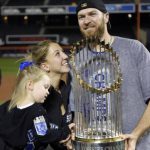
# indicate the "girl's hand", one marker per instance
pixel 66 140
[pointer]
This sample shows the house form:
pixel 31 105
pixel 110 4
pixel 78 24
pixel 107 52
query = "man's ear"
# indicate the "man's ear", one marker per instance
pixel 29 85
pixel 45 67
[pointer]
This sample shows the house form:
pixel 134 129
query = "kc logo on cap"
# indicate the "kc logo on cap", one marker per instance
pixel 98 4
pixel 84 5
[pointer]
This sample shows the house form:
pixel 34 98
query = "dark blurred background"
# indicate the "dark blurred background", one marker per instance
pixel 24 22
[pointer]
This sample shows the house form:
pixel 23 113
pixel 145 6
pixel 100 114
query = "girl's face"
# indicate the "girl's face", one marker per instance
pixel 57 60
pixel 40 89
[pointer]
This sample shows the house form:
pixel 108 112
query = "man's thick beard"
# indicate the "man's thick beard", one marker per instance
pixel 97 34
pixel 100 31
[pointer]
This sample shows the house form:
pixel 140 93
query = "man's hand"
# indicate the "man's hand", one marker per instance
pixel 130 141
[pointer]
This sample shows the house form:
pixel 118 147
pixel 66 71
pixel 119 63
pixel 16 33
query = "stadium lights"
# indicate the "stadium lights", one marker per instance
pixel 25 17
pixel 129 16
pixel 5 18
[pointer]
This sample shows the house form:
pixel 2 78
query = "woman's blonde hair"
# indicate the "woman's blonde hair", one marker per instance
pixel 39 52
pixel 29 73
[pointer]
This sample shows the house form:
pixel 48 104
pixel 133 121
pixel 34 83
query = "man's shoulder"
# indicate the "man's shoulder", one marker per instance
pixel 127 43
pixel 125 39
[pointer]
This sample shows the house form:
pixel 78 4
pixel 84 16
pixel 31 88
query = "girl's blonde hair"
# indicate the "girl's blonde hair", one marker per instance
pixel 29 73
pixel 38 53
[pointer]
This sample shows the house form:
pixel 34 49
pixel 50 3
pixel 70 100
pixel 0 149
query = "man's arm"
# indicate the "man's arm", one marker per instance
pixel 142 126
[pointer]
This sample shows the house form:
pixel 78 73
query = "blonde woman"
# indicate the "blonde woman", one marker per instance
pixel 24 124
pixel 51 58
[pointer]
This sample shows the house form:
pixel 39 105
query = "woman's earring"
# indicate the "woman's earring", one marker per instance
pixel 109 24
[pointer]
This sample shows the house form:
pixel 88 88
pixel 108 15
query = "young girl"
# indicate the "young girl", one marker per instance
pixel 24 124
pixel 50 57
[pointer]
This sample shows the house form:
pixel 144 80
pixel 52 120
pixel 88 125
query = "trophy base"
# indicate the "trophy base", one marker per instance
pixel 104 144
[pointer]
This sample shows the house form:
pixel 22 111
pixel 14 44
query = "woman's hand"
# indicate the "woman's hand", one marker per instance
pixel 69 145
pixel 71 126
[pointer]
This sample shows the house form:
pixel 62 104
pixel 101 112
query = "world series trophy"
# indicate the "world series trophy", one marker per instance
pixel 96 87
